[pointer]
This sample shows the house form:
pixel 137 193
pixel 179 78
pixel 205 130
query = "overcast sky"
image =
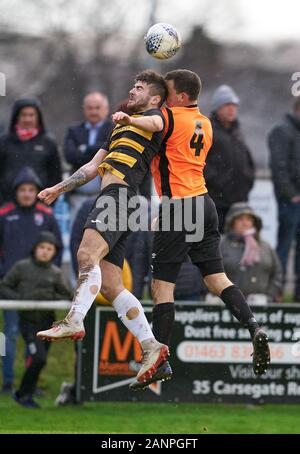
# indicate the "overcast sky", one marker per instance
pixel 255 21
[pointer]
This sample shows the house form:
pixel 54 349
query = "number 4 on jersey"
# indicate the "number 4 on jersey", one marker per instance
pixel 197 139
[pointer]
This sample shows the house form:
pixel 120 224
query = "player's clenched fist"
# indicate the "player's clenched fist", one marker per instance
pixel 122 118
pixel 48 195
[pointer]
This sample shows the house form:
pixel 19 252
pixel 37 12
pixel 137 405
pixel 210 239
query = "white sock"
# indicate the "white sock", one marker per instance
pixel 89 285
pixel 138 325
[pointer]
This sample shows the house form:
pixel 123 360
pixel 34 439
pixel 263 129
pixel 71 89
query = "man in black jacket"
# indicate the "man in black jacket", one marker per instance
pixel 82 142
pixel 284 145
pixel 229 170
pixel 27 144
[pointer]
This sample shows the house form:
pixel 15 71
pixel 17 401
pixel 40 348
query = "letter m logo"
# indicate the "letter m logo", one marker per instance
pixel 112 340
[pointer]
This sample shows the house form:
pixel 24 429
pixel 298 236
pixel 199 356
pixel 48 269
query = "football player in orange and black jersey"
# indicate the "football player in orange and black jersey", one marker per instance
pixel 178 175
pixel 123 163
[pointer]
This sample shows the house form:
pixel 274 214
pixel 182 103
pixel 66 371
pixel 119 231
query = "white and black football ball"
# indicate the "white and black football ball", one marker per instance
pixel 162 41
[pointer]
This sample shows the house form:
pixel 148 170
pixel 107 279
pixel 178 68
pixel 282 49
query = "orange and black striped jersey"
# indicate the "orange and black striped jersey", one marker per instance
pixel 130 151
pixel 178 168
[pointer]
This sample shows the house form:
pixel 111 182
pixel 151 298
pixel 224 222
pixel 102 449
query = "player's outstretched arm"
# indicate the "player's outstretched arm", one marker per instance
pixel 82 176
pixel 151 123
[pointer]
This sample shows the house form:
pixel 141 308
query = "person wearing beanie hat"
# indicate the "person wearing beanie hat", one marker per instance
pixel 224 95
pixel 35 278
pixel 229 170
pixel 249 261
pixel 47 237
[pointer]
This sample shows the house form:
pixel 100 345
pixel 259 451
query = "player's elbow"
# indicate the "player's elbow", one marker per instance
pixel 158 125
pixel 91 170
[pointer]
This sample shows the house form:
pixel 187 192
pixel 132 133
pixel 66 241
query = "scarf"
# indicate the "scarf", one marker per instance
pixel 26 134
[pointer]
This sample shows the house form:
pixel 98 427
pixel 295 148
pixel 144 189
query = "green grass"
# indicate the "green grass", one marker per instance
pixel 125 418
pixel 149 418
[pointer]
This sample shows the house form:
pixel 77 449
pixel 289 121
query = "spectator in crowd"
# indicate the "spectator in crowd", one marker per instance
pixel 27 144
pixel 229 170
pixel 21 221
pixel 249 261
pixel 83 140
pixel 35 278
pixel 284 145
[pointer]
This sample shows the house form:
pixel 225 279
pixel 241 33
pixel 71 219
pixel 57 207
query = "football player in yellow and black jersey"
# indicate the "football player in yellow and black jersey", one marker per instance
pixel 123 163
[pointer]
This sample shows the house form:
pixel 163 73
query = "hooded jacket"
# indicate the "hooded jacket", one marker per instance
pixel 40 153
pixel 229 170
pixel 20 226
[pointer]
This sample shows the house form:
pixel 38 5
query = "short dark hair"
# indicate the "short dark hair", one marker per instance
pixel 297 104
pixel 156 81
pixel 185 81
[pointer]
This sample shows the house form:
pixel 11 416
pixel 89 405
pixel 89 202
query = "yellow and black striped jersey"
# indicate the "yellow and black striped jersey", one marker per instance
pixel 130 151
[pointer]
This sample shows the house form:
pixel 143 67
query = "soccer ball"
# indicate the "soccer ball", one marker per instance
pixel 162 41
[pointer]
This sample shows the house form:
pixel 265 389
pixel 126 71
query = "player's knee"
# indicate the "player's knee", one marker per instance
pixel 155 291
pixel 86 257
pixel 162 292
pixel 110 292
pixel 216 283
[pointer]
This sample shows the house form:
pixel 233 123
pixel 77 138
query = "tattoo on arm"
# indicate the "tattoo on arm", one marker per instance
pixel 78 178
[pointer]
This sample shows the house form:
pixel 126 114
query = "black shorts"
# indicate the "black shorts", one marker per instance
pixel 201 242
pixel 109 217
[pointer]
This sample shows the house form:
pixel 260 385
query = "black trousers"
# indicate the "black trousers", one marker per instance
pixel 37 351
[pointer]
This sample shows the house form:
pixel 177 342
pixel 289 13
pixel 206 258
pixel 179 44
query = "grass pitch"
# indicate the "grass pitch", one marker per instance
pixel 118 418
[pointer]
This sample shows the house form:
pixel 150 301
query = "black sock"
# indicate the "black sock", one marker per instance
pixel 163 319
pixel 235 301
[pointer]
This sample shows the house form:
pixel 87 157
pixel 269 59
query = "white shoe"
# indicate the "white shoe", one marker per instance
pixel 63 329
pixel 152 358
